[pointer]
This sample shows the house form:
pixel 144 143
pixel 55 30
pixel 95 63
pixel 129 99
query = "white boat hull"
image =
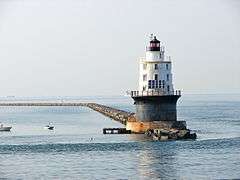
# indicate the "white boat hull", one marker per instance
pixel 49 127
pixel 5 128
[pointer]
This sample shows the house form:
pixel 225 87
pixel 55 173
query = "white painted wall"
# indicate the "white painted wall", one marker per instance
pixel 152 58
pixel 155 55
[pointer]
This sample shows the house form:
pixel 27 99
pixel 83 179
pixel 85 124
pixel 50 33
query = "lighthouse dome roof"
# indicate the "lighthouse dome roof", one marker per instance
pixel 154 40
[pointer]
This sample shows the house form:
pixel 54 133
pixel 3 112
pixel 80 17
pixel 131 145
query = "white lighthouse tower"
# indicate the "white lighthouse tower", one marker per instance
pixel 155 71
pixel 155 99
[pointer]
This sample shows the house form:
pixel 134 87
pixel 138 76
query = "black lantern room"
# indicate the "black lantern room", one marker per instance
pixel 154 45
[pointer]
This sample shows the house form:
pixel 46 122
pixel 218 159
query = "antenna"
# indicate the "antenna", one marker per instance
pixel 151 36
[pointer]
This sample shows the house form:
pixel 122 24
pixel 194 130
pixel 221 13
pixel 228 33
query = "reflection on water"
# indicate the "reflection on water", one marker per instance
pixel 157 163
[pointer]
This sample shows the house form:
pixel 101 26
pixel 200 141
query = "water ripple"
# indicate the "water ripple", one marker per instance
pixel 130 146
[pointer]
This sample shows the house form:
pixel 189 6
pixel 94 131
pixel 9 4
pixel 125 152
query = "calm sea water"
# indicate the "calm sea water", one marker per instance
pixel 77 149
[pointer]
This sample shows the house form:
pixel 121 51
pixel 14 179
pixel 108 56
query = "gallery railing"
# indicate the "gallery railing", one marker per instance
pixel 154 93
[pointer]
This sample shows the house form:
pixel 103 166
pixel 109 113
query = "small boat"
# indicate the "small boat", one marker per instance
pixel 49 127
pixel 5 128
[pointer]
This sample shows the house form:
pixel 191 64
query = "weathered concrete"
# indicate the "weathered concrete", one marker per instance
pixel 141 127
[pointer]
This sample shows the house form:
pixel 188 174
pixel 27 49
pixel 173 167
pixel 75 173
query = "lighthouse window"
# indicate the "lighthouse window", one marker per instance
pixel 144 66
pixel 167 77
pixel 156 66
pixel 152 45
pixel 156 82
pixel 149 84
pixel 144 77
pixel 156 76
pixel 153 84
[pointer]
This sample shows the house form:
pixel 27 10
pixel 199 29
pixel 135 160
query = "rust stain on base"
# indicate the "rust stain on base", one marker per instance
pixel 141 127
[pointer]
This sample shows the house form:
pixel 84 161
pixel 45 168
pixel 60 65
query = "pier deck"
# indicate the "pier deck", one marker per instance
pixel 116 131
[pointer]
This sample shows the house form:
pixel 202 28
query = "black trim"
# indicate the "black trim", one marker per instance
pixel 172 99
pixel 153 48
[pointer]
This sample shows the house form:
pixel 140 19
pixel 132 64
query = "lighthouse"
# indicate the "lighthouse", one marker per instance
pixel 156 98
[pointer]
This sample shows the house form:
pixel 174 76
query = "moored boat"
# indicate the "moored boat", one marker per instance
pixel 5 128
pixel 49 127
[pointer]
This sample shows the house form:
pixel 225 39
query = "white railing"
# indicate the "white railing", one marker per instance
pixel 153 93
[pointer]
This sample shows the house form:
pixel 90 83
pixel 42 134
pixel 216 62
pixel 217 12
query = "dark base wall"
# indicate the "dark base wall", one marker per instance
pixel 156 108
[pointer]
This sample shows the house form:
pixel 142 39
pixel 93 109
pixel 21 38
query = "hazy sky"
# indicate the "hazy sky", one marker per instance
pixel 92 47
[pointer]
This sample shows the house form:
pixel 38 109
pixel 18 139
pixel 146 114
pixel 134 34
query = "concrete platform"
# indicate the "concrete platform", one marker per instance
pixel 142 127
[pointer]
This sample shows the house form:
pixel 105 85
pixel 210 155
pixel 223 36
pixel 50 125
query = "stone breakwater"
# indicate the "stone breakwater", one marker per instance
pixel 115 114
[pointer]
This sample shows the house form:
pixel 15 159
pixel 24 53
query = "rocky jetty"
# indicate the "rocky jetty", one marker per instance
pixel 115 114
pixel 170 134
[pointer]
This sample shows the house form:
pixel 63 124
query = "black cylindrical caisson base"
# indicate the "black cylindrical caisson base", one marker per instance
pixel 156 108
